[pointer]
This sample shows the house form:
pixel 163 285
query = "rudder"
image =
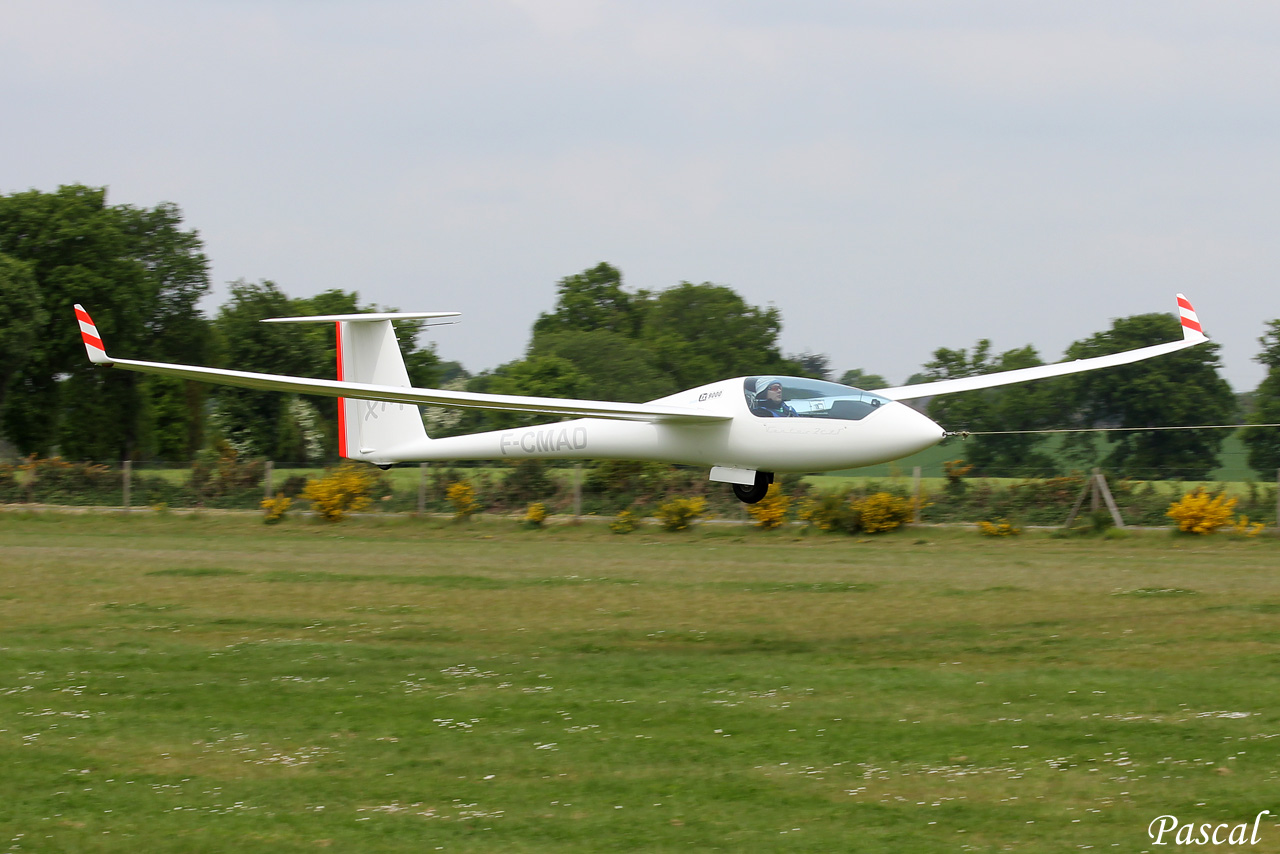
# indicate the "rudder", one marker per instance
pixel 368 352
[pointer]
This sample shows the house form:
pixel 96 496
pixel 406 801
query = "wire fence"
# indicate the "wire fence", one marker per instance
pixel 942 492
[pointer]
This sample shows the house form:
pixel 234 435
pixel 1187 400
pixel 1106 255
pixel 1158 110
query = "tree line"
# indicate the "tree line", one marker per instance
pixel 143 274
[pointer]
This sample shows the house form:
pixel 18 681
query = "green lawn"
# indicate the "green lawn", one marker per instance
pixel 207 683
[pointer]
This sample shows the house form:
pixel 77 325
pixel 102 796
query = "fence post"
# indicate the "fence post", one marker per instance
pixel 422 489
pixel 267 471
pixel 127 482
pixel 915 495
pixel 1101 485
pixel 1278 498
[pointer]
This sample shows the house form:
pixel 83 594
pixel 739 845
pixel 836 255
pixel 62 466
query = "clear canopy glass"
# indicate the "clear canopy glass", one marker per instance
pixel 799 397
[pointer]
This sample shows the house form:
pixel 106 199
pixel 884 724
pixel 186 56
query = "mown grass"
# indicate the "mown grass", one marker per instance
pixel 194 684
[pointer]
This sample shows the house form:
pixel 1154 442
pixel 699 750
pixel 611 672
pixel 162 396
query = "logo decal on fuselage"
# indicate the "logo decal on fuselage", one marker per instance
pixel 543 440
pixel 372 408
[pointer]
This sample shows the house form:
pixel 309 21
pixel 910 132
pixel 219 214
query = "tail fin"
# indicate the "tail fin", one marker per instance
pixel 369 353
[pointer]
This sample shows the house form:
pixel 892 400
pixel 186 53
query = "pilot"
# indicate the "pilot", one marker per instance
pixel 769 403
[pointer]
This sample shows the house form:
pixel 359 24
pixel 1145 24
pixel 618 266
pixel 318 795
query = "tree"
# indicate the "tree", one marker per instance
pixel 859 378
pixel 589 301
pixel 1264 442
pixel 703 333
pixel 259 423
pixel 142 275
pixel 1030 407
pixel 613 366
pixel 641 346
pixel 21 318
pixel 535 376
pixel 815 365
pixel 1179 389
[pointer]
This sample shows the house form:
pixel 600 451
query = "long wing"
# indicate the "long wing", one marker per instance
pixel 392 394
pixel 1192 334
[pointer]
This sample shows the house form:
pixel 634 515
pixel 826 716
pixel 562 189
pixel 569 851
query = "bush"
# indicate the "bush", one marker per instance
pixel 462 496
pixel 1202 512
pixel 829 511
pixel 275 508
pixel 53 480
pixel 1245 528
pixel 346 489
pixel 529 480
pixel 771 511
pixel 881 512
pixel 679 513
pixel 221 473
pixel 857 514
pixel 614 485
pixel 536 515
pixel 625 522
pixel 999 528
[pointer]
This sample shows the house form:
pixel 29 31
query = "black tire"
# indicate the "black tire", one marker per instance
pixel 754 493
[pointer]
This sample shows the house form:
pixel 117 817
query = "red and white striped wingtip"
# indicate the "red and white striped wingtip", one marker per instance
pixel 1190 323
pixel 92 341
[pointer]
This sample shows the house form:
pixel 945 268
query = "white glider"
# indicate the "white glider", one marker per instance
pixel 746 428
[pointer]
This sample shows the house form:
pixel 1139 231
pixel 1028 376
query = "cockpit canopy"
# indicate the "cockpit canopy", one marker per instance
pixel 797 397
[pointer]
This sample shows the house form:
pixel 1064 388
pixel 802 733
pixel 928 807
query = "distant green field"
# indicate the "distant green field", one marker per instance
pixel 1232 462
pixel 208 683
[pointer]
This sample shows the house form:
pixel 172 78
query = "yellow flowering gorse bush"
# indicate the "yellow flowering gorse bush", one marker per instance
pixel 882 511
pixel 874 514
pixel 679 513
pixel 536 515
pixel 462 496
pixel 771 511
pixel 1245 528
pixel 340 491
pixel 273 509
pixel 999 528
pixel 625 522
pixel 1202 512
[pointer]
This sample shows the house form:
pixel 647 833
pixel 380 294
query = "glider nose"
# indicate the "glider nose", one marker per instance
pixel 914 430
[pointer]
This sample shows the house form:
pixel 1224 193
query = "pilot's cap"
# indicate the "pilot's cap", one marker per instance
pixel 764 382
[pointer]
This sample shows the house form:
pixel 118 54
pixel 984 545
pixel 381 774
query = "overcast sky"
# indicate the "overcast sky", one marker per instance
pixel 893 176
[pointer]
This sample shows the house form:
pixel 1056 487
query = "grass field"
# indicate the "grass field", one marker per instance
pixel 207 683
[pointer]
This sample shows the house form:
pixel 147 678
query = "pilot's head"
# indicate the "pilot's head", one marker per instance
pixel 769 388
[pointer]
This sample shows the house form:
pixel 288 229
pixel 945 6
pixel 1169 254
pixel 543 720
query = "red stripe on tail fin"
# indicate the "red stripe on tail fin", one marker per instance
pixel 342 401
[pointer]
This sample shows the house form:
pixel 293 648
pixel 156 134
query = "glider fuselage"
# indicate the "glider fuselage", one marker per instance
pixel 810 439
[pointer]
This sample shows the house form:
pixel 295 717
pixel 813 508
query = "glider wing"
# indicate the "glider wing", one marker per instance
pixel 1192 334
pixel 392 394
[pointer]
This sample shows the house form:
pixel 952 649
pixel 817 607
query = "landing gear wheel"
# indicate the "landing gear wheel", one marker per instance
pixel 754 493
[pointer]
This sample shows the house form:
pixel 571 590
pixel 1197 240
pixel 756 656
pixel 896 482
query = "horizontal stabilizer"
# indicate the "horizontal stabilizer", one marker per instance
pixel 365 318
